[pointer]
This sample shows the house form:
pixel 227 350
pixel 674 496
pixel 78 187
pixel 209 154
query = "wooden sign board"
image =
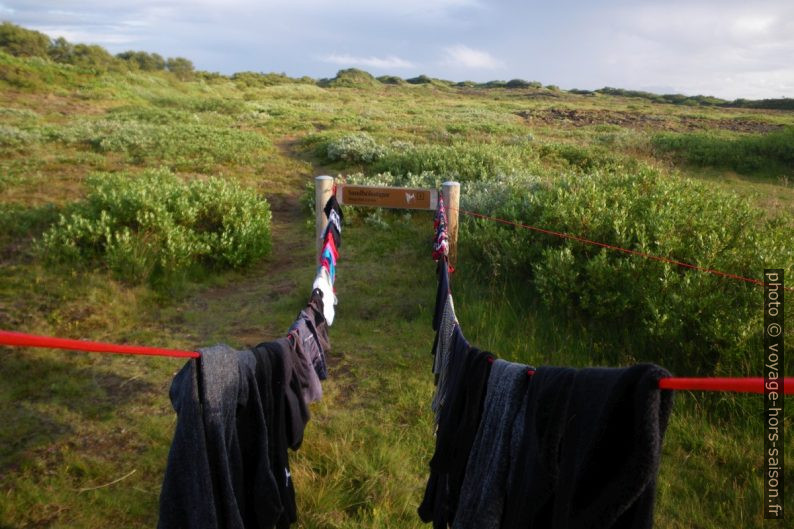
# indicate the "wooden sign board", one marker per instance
pixel 387 197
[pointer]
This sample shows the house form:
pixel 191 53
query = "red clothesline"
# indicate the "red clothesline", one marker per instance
pixel 619 249
pixel 738 385
pixel 31 340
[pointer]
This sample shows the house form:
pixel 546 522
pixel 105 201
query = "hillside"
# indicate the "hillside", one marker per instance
pixel 704 183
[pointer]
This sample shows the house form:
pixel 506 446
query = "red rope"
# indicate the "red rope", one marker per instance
pixel 739 385
pixel 31 340
pixel 619 249
pixel 18 339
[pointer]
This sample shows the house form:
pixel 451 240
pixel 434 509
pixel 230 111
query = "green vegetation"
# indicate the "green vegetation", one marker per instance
pixel 746 153
pixel 135 208
pixel 152 225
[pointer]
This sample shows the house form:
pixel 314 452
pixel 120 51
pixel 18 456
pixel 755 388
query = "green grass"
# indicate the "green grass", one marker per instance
pixel 74 421
pixel 771 153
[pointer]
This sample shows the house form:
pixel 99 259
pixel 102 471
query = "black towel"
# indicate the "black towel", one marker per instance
pixel 605 427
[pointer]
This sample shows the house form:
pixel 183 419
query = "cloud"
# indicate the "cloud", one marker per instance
pixel 734 51
pixel 463 56
pixel 383 63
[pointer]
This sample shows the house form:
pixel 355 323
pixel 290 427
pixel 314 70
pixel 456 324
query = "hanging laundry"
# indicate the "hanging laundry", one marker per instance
pixel 274 376
pixel 444 322
pixel 441 240
pixel 483 492
pixel 328 258
pixel 588 452
pixel 218 473
pixel 333 228
pixel 313 329
pixel 457 427
pixel 333 205
pixel 308 343
pixel 322 282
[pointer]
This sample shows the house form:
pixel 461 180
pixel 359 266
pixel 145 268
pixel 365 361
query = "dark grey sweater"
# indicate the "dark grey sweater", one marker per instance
pixel 218 473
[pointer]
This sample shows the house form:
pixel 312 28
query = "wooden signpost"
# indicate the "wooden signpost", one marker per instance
pixel 389 197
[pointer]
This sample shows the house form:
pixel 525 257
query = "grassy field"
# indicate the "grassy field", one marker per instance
pixel 71 424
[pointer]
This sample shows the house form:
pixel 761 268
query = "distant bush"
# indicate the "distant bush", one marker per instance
pixel 180 145
pixel 742 153
pixel 351 78
pixel 494 84
pixel 420 79
pixel 14 137
pixel 689 321
pixel 464 162
pixel 22 42
pixel 517 83
pixel 153 226
pixel 359 147
pixel 251 79
pixel 148 62
pixel 783 103
pixel 391 79
pixel 181 67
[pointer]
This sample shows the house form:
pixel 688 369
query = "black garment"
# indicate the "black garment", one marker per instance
pixel 441 300
pixel 271 375
pixel 331 227
pixel 441 292
pixel 457 428
pixel 317 317
pixel 333 204
pixel 590 449
pixel 218 472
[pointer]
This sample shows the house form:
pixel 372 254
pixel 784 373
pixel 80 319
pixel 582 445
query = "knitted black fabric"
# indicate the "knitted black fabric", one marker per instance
pixel 590 449
pixel 457 428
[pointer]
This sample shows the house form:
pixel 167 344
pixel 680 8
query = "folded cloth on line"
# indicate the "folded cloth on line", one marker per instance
pixel 218 473
pixel 588 452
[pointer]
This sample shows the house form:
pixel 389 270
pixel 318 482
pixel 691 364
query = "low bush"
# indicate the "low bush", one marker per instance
pixel 154 226
pixel 17 138
pixel 743 153
pixel 183 146
pixel 359 147
pixel 689 321
pixel 464 162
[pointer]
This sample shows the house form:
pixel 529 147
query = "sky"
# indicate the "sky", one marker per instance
pixel 725 48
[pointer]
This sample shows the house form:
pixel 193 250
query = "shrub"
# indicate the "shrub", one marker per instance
pixel 154 226
pixel 464 162
pixel 15 138
pixel 690 321
pixel 351 78
pixel 148 62
pixel 180 145
pixel 181 67
pixel 23 42
pixel 391 79
pixel 359 147
pixel 742 153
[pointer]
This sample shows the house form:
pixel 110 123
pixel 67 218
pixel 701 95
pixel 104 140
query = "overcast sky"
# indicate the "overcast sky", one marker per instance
pixel 727 48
